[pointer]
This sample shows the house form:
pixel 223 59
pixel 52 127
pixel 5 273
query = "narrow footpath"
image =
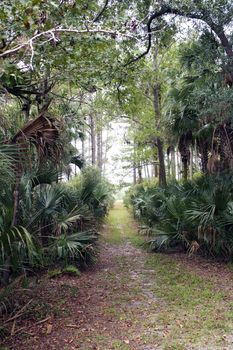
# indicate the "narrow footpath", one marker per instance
pixel 132 300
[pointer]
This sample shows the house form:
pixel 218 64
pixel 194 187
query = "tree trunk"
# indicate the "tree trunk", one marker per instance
pixel 99 150
pixel 93 140
pixel 134 174
pixel 204 159
pixel 140 174
pixel 159 143
pixel 162 171
pixel 148 171
pixel 185 169
pixel 178 165
pixel 156 170
pixel 191 163
pixel 173 163
pixel 83 148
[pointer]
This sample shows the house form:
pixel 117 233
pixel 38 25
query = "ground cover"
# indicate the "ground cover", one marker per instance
pixel 131 300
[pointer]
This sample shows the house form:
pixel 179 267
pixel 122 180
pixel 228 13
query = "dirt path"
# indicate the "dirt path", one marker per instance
pixel 131 300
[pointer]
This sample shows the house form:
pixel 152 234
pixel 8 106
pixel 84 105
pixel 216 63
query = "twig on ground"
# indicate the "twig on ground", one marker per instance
pixel 44 320
pixel 19 313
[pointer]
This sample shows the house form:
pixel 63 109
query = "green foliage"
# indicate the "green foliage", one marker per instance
pixel 196 215
pixel 57 223
pixel 94 191
pixel 70 270
pixel 74 247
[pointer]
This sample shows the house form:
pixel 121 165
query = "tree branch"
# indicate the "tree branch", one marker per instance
pixel 203 16
pixel 96 19
pixel 52 31
pixel 155 15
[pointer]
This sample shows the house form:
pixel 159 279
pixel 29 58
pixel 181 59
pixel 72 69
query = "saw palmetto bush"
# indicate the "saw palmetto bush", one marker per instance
pixel 64 216
pixel 16 243
pixel 195 215
pixel 43 220
pixel 93 191
pixel 56 223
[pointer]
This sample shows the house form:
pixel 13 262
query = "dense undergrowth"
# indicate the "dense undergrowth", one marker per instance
pixel 57 222
pixel 195 215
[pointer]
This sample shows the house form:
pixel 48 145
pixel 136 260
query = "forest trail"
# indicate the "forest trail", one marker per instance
pixel 133 300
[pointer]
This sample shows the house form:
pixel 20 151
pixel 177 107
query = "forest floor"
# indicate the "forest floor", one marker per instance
pixel 131 300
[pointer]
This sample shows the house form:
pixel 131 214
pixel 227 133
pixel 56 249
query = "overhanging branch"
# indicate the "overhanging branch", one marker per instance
pixel 203 16
pixel 53 31
pixel 96 19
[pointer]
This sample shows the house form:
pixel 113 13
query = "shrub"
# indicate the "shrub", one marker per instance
pixel 197 215
pixel 57 221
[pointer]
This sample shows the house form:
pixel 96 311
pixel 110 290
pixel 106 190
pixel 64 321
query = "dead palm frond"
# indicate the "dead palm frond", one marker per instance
pixel 43 133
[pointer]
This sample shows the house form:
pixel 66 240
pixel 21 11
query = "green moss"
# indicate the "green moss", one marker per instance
pixel 71 270
pixel 68 270
pixel 54 273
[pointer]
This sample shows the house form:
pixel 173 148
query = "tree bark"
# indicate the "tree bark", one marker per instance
pixel 99 150
pixel 93 141
pixel 162 171
pixel 185 169
pixel 191 163
pixel 83 148
pixel 204 159
pixel 134 174
pixel 156 170
pixel 148 171
pixel 173 163
pixel 159 143
pixel 140 174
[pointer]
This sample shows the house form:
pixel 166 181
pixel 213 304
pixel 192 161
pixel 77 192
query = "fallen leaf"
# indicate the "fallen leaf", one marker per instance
pixel 49 328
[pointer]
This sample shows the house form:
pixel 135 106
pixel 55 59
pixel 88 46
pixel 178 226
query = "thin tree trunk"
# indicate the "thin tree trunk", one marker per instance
pixel 173 163
pixel 148 171
pixel 185 169
pixel 99 150
pixel 140 173
pixel 169 165
pixel 177 165
pixel 134 174
pixel 75 166
pixel 83 148
pixel 93 141
pixel 191 163
pixel 162 171
pixel 196 161
pixel 159 142
pixel 156 170
pixel 204 159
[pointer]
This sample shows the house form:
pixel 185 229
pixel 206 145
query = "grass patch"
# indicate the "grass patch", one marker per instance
pixel 69 270
pixel 119 344
pixel 192 311
pixel 122 227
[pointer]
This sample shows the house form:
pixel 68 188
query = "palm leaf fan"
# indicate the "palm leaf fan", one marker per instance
pixel 43 133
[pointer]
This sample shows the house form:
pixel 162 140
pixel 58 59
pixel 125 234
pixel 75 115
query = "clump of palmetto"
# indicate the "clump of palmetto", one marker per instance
pixel 195 215
pixel 57 223
pixel 42 220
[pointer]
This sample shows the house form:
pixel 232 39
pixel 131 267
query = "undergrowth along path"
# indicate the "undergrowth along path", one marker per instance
pixel 134 300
